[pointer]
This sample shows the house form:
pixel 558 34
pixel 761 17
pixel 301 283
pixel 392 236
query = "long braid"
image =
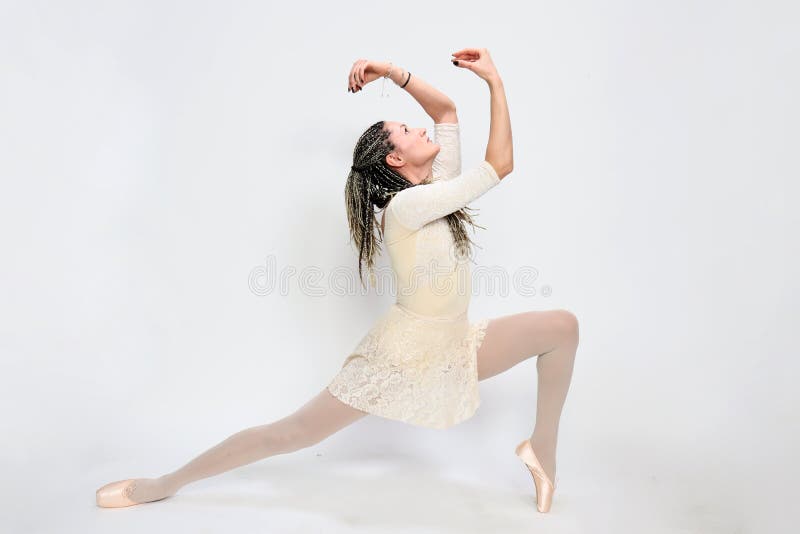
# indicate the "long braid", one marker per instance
pixel 372 184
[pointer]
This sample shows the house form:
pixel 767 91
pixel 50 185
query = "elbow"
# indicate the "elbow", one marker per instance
pixel 509 166
pixel 448 114
pixel 502 168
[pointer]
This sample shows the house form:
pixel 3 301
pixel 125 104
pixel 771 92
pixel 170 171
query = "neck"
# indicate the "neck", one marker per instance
pixel 419 175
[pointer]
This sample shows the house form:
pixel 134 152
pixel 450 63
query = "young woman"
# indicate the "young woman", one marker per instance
pixel 421 361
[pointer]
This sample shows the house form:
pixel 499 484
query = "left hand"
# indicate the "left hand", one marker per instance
pixel 365 71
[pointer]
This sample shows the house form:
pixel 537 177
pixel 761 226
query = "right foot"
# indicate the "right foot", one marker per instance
pixel 536 461
pixel 547 457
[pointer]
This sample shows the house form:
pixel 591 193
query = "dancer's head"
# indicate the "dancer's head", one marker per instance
pixel 413 152
pixel 388 158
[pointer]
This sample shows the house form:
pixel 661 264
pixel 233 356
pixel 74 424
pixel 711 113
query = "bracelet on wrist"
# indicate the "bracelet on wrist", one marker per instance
pixel 407 80
pixel 388 75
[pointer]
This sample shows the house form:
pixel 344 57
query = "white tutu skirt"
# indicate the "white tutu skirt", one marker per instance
pixel 413 368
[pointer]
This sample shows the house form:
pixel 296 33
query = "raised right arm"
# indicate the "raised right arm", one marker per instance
pixel 499 149
pixel 416 206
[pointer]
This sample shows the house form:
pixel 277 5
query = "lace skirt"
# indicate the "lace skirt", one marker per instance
pixel 416 369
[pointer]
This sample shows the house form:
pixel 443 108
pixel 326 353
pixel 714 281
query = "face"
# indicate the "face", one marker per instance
pixel 414 151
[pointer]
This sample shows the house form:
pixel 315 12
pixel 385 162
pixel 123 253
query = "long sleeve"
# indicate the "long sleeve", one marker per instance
pixel 418 205
pixel 447 164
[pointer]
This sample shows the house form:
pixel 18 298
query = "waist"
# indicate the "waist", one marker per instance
pixel 458 316
pixel 431 302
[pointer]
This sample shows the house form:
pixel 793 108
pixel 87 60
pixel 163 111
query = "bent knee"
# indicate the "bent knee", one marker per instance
pixel 568 321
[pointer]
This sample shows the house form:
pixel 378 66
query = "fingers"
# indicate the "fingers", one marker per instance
pixel 464 60
pixel 356 78
pixel 354 86
pixel 350 78
pixel 361 70
pixel 468 52
pixel 353 74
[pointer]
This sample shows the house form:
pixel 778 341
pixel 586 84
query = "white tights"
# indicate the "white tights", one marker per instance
pixel 550 335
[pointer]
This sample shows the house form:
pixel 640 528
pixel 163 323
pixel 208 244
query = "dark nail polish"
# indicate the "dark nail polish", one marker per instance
pixel 455 62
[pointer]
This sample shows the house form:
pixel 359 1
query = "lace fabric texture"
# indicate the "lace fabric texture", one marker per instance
pixel 418 363
pixel 412 369
pixel 417 206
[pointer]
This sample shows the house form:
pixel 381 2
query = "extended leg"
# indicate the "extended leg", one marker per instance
pixel 317 419
pixel 553 337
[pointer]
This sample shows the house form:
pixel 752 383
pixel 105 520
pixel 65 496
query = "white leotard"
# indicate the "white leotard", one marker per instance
pixel 431 279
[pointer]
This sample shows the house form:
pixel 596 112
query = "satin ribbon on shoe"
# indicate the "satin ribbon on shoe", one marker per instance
pixel 544 487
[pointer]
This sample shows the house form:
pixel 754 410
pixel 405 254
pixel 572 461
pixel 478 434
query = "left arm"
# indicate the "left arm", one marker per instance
pixel 436 104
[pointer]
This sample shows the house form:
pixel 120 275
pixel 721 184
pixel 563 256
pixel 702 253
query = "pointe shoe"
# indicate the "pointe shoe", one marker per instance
pixel 116 494
pixel 544 487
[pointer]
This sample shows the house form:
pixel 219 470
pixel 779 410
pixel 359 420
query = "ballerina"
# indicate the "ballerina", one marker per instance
pixel 421 361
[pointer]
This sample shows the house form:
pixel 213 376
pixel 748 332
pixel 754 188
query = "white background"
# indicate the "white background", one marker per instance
pixel 153 154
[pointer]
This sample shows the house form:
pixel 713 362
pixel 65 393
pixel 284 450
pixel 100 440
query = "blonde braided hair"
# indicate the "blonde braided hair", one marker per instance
pixel 371 184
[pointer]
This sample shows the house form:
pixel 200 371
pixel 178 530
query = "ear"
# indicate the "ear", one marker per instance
pixel 393 160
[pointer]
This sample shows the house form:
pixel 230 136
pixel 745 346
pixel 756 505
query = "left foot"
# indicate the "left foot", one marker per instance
pixel 139 490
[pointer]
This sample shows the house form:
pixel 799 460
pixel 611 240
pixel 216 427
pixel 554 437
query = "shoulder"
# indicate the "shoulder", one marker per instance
pixel 394 228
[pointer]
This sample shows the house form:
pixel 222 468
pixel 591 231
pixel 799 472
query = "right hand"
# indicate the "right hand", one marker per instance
pixel 477 60
pixel 363 72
